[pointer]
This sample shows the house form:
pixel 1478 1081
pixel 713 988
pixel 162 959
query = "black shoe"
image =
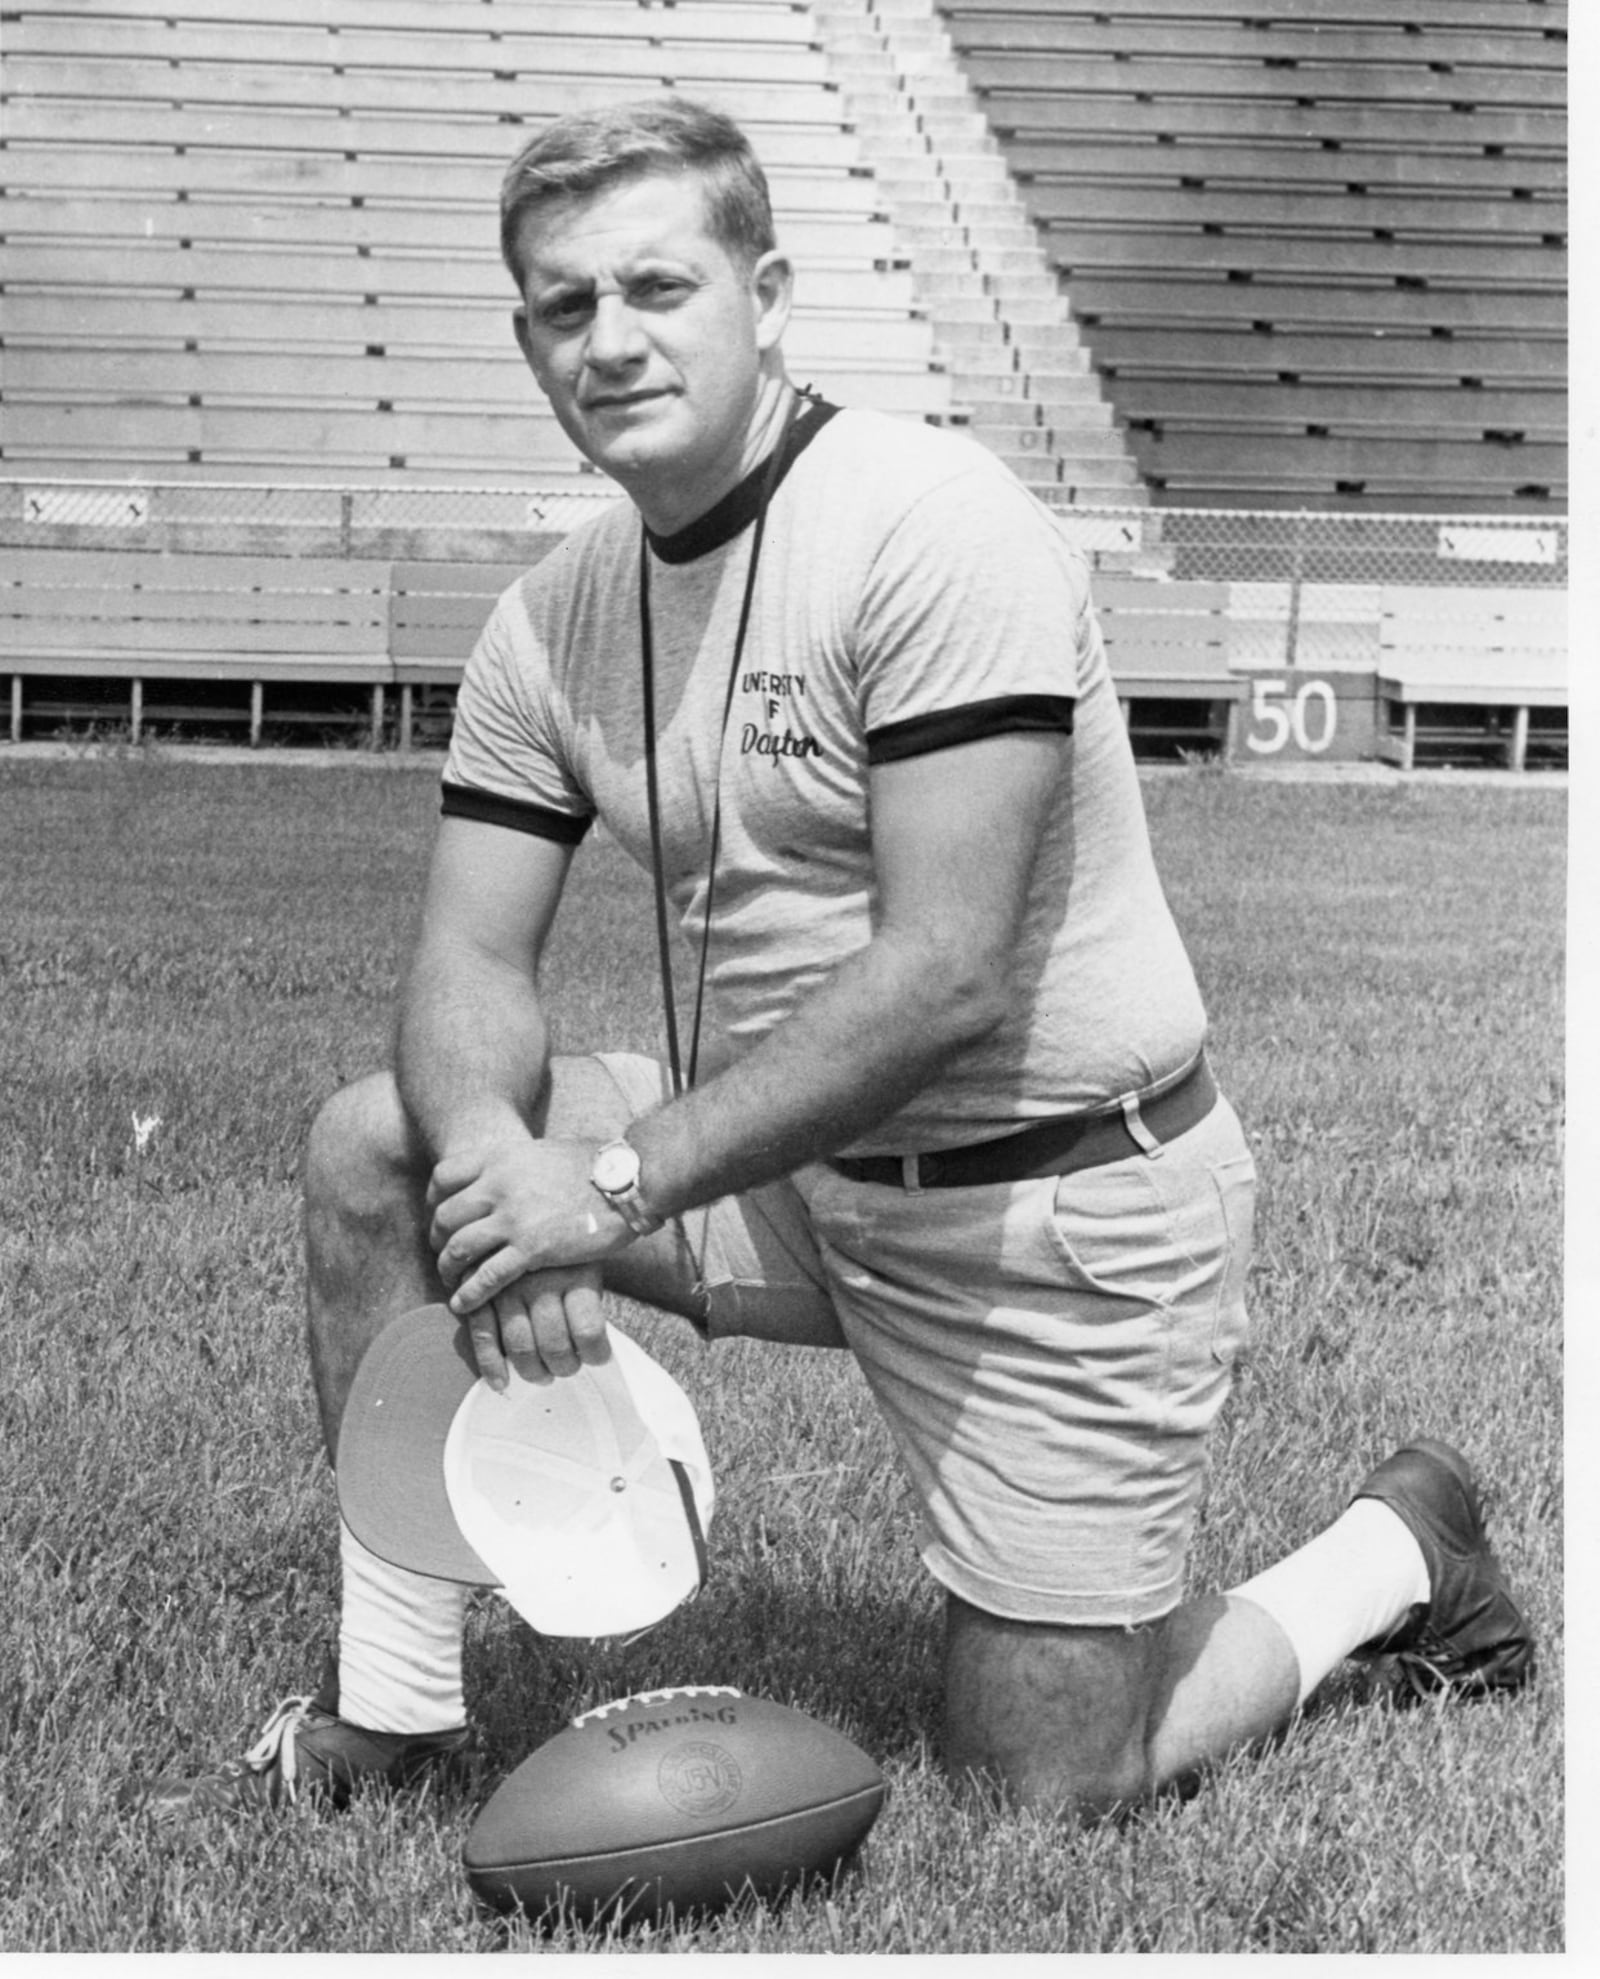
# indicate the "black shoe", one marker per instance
pixel 1470 1637
pixel 305 1748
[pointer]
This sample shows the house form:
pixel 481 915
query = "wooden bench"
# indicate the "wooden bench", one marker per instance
pixel 1417 126
pixel 1500 16
pixel 1074 161
pixel 1223 469
pixel 732 20
pixel 1377 408
pixel 1320 212
pixel 1473 675
pixel 165 271
pixel 150 619
pixel 845 328
pixel 425 134
pixel 617 40
pixel 1209 300
pixel 495 97
pixel 1312 45
pixel 436 611
pixel 1383 79
pixel 1167 645
pixel 1177 350
pixel 802 189
pixel 350 234
pixel 1188 253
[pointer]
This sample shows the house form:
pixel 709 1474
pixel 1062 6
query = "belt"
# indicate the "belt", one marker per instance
pixel 1050 1147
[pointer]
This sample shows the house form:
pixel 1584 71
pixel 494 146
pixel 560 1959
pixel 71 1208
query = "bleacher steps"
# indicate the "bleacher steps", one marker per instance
pixel 977 269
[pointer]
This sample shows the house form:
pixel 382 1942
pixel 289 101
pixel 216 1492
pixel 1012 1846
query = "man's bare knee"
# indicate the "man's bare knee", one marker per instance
pixel 361 1155
pixel 367 1254
pixel 1047 1717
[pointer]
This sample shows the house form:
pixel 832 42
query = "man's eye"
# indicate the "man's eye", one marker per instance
pixel 564 312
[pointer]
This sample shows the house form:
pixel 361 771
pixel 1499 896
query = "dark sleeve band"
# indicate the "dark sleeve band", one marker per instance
pixel 1005 714
pixel 485 808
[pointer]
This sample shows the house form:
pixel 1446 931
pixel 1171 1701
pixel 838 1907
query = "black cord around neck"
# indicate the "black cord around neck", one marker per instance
pixel 769 482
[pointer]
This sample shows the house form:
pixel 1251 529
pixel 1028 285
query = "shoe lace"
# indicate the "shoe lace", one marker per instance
pixel 276 1744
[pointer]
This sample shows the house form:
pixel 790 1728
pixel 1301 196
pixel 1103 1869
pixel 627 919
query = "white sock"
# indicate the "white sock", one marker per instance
pixel 399 1645
pixel 1357 1580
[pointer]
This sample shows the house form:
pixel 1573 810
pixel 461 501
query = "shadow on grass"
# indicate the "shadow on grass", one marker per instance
pixel 820 1653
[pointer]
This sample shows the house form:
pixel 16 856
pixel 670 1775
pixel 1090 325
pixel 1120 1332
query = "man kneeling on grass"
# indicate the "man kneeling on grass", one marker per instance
pixel 960 1122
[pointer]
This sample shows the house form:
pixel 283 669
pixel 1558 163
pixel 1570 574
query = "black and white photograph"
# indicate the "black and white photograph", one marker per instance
pixel 787 920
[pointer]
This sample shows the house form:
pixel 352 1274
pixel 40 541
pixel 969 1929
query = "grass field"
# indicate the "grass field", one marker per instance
pixel 210 951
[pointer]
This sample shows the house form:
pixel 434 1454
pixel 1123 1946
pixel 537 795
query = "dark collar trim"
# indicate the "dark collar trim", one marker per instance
pixel 739 507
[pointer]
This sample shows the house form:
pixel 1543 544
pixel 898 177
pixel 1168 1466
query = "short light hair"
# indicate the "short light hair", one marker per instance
pixel 591 151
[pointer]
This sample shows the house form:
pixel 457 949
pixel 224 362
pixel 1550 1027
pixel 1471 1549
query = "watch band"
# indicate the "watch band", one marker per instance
pixel 616 1176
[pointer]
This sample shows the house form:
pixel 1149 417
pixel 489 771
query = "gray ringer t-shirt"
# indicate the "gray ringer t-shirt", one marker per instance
pixel 911 596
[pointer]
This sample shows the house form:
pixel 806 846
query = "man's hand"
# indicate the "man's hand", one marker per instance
pixel 509 1225
pixel 548 1324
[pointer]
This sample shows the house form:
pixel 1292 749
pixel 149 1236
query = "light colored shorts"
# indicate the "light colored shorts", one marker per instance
pixel 1050 1355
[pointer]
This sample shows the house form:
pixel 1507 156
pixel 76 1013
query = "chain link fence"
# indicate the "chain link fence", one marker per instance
pixel 294 519
pixel 1273 548
pixel 1301 546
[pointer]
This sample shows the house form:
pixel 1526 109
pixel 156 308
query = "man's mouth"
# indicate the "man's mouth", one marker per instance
pixel 620 401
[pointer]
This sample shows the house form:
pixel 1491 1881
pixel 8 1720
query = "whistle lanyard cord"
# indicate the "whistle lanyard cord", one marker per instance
pixel 651 781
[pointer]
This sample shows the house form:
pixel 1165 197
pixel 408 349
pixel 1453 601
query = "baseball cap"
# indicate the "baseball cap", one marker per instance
pixel 585 1500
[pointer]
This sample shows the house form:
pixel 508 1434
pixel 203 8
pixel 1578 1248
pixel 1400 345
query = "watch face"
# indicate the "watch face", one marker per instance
pixel 615 1168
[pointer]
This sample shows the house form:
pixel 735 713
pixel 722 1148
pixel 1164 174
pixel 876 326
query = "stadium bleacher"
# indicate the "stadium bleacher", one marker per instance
pixel 1165 256
pixel 241 238
pixel 1317 249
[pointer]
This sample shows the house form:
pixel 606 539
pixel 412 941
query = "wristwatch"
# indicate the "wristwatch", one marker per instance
pixel 616 1175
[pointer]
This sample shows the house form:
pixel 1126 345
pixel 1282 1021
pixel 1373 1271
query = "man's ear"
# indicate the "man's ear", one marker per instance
pixel 519 325
pixel 772 289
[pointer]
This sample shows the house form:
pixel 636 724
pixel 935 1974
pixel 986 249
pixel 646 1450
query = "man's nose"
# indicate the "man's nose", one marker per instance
pixel 614 335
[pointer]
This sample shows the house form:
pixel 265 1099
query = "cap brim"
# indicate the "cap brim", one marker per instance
pixel 390 1467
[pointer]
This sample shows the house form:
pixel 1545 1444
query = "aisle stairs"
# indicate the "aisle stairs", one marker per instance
pixel 1015 359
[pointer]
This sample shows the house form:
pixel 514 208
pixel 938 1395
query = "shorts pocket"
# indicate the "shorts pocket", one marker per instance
pixel 1115 1232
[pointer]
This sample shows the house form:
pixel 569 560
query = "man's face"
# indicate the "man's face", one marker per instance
pixel 646 337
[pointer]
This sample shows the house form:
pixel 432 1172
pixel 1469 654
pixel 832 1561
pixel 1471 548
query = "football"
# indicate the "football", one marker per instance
pixel 674 1800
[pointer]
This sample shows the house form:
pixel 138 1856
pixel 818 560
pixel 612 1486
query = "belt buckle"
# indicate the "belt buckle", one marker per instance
pixel 911 1174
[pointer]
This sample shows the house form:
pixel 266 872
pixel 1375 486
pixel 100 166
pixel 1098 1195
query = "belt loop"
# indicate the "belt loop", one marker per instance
pixel 910 1178
pixel 1134 1120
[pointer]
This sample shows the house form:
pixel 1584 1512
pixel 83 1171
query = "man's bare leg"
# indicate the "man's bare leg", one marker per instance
pixel 1085 1721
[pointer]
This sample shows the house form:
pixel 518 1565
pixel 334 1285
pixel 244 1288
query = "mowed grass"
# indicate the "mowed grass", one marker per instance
pixel 216 948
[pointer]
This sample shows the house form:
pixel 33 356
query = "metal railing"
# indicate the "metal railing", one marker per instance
pixel 1269 546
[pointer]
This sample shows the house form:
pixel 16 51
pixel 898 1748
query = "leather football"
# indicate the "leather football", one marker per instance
pixel 672 1801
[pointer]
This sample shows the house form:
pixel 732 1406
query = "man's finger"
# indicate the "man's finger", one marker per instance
pixel 456 1213
pixel 511 1310
pixel 452 1174
pixel 557 1349
pixel 492 1277
pixel 586 1323
pixel 484 1332
pixel 468 1250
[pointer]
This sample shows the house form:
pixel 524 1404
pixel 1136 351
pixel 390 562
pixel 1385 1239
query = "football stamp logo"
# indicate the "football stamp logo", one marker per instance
pixel 700 1778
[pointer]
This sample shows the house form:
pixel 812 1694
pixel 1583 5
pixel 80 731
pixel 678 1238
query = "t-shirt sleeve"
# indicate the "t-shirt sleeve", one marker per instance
pixel 507 764
pixel 972 619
